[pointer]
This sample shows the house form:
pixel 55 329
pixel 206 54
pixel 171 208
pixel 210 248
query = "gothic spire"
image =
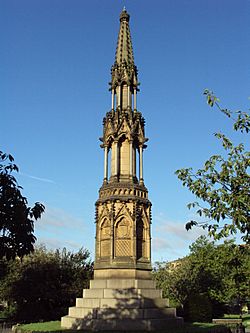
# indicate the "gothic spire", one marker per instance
pixel 124 50
pixel 124 70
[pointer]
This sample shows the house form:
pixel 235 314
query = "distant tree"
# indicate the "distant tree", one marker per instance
pixel 220 274
pixel 45 283
pixel 223 184
pixel 16 217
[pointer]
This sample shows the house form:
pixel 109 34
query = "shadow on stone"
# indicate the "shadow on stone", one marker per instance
pixel 130 309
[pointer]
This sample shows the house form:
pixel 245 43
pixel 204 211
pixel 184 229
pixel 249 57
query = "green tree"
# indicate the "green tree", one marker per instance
pixel 45 283
pixel 16 217
pixel 223 184
pixel 220 274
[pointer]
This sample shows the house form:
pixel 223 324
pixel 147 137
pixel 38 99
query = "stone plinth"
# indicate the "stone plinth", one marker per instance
pixel 121 304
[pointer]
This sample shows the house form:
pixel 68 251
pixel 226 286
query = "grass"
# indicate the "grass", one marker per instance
pixel 55 326
pixel 49 326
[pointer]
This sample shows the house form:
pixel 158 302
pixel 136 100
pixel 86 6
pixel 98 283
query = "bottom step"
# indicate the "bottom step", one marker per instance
pixel 120 324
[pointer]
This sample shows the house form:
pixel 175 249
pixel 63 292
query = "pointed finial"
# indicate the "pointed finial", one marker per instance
pixel 124 15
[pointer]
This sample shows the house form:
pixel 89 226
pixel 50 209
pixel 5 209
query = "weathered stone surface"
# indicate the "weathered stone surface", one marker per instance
pixel 108 313
pixel 159 313
pixel 93 293
pixel 154 303
pixel 88 302
pixel 110 308
pixel 96 284
pixel 78 312
pixel 126 324
pixel 150 293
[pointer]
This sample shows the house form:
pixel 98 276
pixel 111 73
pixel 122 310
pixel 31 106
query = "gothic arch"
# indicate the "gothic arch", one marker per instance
pixel 123 237
pixel 104 236
pixel 141 237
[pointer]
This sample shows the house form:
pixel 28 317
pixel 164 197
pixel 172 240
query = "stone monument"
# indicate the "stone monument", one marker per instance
pixel 122 295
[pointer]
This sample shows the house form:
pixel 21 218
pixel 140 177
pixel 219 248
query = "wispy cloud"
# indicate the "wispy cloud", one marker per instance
pixel 55 243
pixel 59 220
pixel 177 229
pixel 170 238
pixel 45 180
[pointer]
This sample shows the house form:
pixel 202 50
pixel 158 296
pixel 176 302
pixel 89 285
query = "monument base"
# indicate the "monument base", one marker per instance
pixel 121 304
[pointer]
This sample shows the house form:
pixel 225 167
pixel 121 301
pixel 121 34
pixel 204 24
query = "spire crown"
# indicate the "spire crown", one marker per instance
pixel 124 16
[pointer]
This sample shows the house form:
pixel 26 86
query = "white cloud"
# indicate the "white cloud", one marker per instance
pixel 177 229
pixel 57 218
pixel 55 243
pixel 171 240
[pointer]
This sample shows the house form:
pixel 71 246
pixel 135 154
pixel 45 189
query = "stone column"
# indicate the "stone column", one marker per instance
pixel 131 159
pixel 105 164
pixel 128 95
pixel 116 157
pixel 112 99
pixel 119 96
pixel 135 106
pixel 141 163
pixel 112 233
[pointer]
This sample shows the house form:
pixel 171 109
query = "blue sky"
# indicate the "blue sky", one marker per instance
pixel 55 62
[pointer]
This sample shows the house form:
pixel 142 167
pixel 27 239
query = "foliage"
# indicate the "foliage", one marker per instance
pixel 222 273
pixel 16 217
pixel 45 283
pixel 198 308
pixel 223 184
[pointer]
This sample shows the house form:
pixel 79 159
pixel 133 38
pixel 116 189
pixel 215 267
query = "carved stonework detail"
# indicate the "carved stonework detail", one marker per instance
pixel 105 232
pixel 123 237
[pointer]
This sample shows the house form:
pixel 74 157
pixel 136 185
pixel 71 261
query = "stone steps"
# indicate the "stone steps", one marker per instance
pixel 121 304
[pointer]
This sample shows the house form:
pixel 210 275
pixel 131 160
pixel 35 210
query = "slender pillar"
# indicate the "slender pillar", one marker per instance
pixel 112 99
pixel 116 157
pixel 105 164
pixel 128 95
pixel 134 162
pixel 135 106
pixel 119 96
pixel 131 158
pixel 141 164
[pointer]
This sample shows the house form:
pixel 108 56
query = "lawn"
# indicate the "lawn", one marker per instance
pixel 55 326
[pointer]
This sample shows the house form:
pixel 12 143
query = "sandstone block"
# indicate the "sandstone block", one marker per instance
pixel 92 293
pixel 145 284
pixel 159 313
pixel 121 293
pixel 115 303
pixel 150 293
pixel 82 312
pixel 96 284
pixel 76 324
pixel 108 314
pixel 120 283
pixel 88 302
pixel 156 302
pixel 120 325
